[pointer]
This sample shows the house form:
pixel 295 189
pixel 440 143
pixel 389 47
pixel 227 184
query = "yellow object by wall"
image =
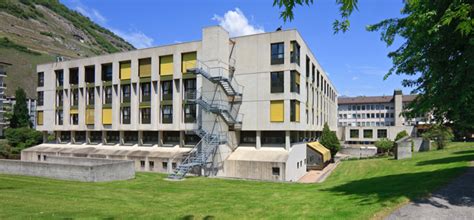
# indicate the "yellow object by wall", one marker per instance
pixel 166 65
pixel 90 116
pixel 297 78
pixel 277 111
pixel 125 70
pixel 73 111
pixel 297 111
pixel 188 61
pixel 144 69
pixel 39 118
pixel 107 116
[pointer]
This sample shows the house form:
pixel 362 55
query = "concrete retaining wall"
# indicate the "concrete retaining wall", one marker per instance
pixel 78 169
pixel 403 148
pixel 360 152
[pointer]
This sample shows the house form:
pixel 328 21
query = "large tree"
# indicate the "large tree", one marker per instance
pixel 20 117
pixel 329 140
pixel 437 53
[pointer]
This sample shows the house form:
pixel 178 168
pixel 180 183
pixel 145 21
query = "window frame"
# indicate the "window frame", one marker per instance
pixel 277 53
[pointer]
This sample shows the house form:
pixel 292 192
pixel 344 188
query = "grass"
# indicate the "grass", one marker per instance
pixel 360 189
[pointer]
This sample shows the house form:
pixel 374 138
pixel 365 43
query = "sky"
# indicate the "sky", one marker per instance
pixel 356 61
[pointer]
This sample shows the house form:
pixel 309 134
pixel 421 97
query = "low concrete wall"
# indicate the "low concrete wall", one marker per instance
pixel 360 152
pixel 420 144
pixel 78 169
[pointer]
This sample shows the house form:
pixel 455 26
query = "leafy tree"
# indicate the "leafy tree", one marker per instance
pixel 21 138
pixel 401 135
pixel 385 145
pixel 440 134
pixel 437 53
pixel 20 117
pixel 330 141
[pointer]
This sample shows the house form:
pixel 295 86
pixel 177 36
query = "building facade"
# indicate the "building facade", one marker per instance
pixel 258 99
pixel 365 119
pixel 3 88
pixel 9 103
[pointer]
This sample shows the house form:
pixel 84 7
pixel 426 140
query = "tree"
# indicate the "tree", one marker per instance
pixel 401 135
pixel 384 145
pixel 437 54
pixel 329 140
pixel 22 138
pixel 440 134
pixel 20 117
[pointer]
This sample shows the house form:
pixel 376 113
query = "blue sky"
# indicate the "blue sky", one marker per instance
pixel 356 61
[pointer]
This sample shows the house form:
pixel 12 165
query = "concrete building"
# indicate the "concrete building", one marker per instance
pixel 3 88
pixel 9 103
pixel 242 107
pixel 365 119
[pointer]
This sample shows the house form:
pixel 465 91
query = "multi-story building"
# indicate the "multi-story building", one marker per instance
pixel 242 107
pixel 10 101
pixel 365 119
pixel 3 88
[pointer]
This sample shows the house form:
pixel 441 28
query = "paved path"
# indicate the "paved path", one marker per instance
pixel 453 202
pixel 318 176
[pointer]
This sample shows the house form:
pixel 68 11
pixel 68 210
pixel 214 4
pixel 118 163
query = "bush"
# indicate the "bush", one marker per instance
pixel 21 138
pixel 440 134
pixel 330 141
pixel 401 135
pixel 385 145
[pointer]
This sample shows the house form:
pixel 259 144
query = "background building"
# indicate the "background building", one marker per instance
pixel 242 107
pixel 365 119
pixel 9 103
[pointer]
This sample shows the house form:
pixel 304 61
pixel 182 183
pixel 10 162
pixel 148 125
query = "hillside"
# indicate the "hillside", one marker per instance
pixel 37 31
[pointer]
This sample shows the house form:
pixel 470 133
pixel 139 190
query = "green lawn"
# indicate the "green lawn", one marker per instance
pixel 356 190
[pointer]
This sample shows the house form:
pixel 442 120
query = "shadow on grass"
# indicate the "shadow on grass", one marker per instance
pixel 393 187
pixel 468 157
pixel 465 152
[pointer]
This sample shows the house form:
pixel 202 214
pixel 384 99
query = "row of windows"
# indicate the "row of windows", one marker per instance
pixel 277 111
pixel 367 115
pixel 368 133
pixel 367 124
pixel 188 60
pixel 366 107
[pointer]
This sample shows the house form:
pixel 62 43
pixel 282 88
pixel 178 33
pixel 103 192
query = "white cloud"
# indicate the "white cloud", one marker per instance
pixel 235 22
pixel 355 78
pixel 136 38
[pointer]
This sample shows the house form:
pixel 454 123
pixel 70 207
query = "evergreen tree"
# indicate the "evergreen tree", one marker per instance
pixel 20 117
pixel 330 141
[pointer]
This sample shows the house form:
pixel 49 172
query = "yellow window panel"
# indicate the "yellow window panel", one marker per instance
pixel 277 111
pixel 39 118
pixel 166 65
pixel 297 78
pixel 297 109
pixel 125 70
pixel 144 68
pixel 107 116
pixel 188 61
pixel 90 116
pixel 73 111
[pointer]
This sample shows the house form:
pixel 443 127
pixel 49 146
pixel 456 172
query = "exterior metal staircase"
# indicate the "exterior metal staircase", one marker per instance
pixel 203 151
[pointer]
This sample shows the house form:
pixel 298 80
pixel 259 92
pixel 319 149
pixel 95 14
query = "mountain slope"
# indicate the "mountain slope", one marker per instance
pixel 37 31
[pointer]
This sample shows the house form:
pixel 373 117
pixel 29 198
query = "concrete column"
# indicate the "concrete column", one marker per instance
pixel 181 139
pixel 258 139
pixel 398 103
pixel 45 136
pixel 140 138
pixel 121 137
pixel 73 137
pixel 88 134
pixel 287 140
pixel 104 137
pixel 160 139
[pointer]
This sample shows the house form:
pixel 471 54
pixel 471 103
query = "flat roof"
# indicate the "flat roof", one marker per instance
pixel 264 154
pixel 372 99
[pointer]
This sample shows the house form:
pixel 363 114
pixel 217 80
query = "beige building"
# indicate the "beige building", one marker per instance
pixel 241 107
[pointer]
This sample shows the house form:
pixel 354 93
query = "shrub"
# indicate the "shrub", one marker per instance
pixel 385 145
pixel 401 135
pixel 440 134
pixel 21 138
pixel 330 141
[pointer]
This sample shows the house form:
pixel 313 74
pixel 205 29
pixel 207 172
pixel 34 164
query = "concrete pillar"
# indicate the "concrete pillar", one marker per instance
pixel 181 139
pixel 45 136
pixel 398 103
pixel 160 139
pixel 88 134
pixel 140 137
pixel 287 140
pixel 73 137
pixel 104 137
pixel 258 143
pixel 121 137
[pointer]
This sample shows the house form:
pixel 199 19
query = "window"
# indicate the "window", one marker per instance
pixel 295 82
pixel 150 137
pixel 151 165
pixel 188 61
pixel 308 70
pixel 75 97
pixel 40 98
pixel 190 113
pixel 90 96
pixel 173 166
pixel 125 115
pixel 108 95
pixel 74 76
pixel 112 136
pixel 276 171
pixel 190 88
pixel 164 165
pixel 130 137
pixel 167 90
pixel 273 138
pixel 167 114
pixel 107 72
pixel 277 111
pixel 294 111
pixel 74 118
pixel 126 93
pixel 59 98
pixel 40 79
pixel 166 65
pixel 277 82
pixel 277 53
pixel 381 133
pixel 368 133
pixel 317 79
pixel 144 67
pixel 39 117
pixel 125 70
pixel 142 163
pixel 59 77
pixel 295 52
pixel 248 137
pixel 146 115
pixel 354 133
pixel 59 117
pixel 145 92
pixel 89 72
